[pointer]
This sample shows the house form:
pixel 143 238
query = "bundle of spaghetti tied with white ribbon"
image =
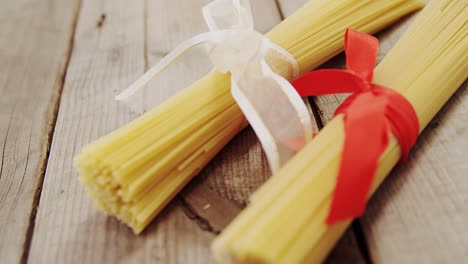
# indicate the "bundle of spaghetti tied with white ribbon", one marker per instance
pixel 299 214
pixel 133 172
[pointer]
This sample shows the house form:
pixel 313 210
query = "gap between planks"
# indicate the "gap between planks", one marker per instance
pixel 52 116
pixel 102 60
pixel 32 90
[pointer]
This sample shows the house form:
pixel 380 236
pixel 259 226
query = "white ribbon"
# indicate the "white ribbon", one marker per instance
pixel 273 108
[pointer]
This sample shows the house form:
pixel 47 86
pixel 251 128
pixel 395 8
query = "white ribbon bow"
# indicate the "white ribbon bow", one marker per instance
pixel 273 108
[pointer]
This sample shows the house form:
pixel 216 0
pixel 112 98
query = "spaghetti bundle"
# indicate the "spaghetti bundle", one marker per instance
pixel 133 172
pixel 286 220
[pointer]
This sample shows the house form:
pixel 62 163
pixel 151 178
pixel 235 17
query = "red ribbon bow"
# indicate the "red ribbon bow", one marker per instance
pixel 371 114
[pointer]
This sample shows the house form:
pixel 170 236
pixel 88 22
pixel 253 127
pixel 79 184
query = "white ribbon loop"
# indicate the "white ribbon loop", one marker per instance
pixel 228 14
pixel 234 46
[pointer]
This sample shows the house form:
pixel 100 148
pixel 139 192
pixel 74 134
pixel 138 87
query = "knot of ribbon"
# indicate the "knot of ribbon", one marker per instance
pixel 234 46
pixel 371 114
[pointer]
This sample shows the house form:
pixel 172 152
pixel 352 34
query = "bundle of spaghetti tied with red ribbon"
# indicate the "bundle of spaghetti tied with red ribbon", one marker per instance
pixel 299 214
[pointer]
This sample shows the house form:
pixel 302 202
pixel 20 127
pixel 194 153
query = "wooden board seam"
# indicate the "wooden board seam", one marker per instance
pixel 191 213
pixel 280 11
pixel 52 114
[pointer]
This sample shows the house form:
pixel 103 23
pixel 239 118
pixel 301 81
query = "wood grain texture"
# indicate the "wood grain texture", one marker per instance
pixel 108 54
pixel 212 211
pixel 34 46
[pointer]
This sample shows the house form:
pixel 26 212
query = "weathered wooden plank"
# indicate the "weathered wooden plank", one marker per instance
pixel 35 39
pixel 109 53
pixel 212 211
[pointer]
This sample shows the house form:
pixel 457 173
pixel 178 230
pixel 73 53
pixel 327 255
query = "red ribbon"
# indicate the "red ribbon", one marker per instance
pixel 371 114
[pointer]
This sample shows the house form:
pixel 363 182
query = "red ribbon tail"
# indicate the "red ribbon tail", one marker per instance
pixel 358 165
pixel 361 53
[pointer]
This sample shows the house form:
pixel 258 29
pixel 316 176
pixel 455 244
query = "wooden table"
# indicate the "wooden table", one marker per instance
pixel 61 62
